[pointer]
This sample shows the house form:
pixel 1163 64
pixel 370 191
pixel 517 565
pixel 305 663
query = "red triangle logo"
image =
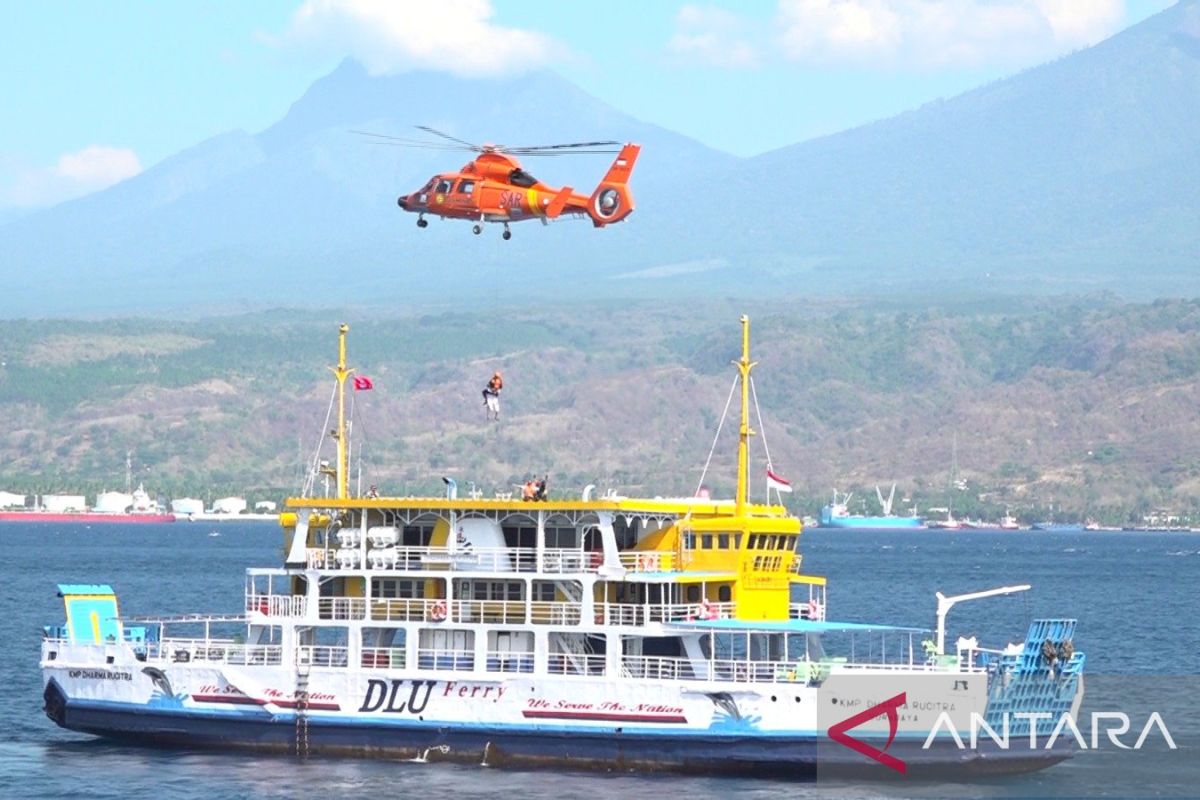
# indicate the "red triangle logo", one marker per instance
pixel 838 732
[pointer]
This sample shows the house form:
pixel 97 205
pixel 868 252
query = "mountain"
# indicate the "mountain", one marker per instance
pixel 1076 175
pixel 306 210
pixel 1082 170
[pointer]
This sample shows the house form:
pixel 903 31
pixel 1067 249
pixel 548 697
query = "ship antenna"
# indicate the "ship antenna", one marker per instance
pixel 341 372
pixel 744 365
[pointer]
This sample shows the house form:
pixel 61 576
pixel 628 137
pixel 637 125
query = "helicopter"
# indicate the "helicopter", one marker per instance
pixel 494 187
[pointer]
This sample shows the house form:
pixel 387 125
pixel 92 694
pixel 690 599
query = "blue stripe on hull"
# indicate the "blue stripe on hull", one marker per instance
pixel 871 522
pixel 652 750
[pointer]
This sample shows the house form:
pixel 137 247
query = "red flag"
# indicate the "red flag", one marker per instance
pixel 777 483
pixel 362 383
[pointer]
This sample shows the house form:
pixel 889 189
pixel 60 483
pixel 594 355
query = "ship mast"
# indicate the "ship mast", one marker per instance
pixel 744 365
pixel 341 372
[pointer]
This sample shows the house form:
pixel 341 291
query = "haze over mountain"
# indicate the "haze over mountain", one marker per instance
pixel 1079 174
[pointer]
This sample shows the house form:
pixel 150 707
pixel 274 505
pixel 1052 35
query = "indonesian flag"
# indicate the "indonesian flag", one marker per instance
pixel 362 383
pixel 777 483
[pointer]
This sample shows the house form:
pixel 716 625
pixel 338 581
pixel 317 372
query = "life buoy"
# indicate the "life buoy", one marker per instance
pixel 437 612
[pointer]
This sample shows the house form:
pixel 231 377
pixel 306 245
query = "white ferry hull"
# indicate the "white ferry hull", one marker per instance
pixel 777 729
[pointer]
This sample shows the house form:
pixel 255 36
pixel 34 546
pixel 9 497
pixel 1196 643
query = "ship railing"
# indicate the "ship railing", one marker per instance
pixel 276 605
pixel 509 661
pixel 445 659
pixel 384 657
pixel 342 607
pixel 649 561
pixel 407 609
pixel 951 665
pixel 478 559
pixel 323 655
pixel 576 664
pixel 638 614
pixel 657 668
pixel 544 612
pixel 223 651
pixel 489 611
pixel 810 609
pixel 688 612
pixel 621 614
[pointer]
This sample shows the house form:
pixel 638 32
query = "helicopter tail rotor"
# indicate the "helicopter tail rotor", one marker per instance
pixel 612 201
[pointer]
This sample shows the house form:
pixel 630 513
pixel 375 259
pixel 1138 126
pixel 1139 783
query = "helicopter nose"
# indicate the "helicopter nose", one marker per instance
pixel 402 201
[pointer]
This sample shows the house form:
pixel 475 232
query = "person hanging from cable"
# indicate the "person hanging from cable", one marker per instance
pixel 491 395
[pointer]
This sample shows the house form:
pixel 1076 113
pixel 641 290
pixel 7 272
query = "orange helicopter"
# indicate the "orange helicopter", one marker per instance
pixel 493 187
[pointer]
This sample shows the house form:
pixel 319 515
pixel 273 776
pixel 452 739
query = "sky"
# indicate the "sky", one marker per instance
pixel 95 92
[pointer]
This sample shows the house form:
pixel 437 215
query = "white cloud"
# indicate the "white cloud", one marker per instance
pixel 713 37
pixel 91 169
pixel 926 33
pixel 455 36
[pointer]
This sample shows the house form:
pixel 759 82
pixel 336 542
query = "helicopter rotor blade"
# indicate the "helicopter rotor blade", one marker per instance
pixel 420 144
pixel 436 132
pixel 527 150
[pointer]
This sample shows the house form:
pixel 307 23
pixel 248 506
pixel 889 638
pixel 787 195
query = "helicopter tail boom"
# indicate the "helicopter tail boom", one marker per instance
pixel 612 201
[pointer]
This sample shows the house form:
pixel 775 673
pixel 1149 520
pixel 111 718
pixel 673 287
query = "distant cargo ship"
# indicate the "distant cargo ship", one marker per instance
pixel 36 515
pixel 111 507
pixel 837 514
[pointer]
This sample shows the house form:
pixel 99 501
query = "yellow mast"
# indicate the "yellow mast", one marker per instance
pixel 341 372
pixel 744 365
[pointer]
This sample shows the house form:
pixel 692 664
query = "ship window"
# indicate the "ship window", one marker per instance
pixel 723 541
pixel 737 541
pixel 396 587
pixel 546 591
pixel 706 541
pixel 693 594
pixel 443 186
pixel 562 537
pixel 466 187
pixel 753 545
pixel 417 535
pixel 724 594
pixel 689 540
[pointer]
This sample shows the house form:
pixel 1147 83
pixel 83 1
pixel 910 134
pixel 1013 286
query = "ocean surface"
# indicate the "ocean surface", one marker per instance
pixel 1136 595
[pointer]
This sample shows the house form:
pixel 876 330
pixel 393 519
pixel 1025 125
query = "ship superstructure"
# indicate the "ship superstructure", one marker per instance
pixel 613 632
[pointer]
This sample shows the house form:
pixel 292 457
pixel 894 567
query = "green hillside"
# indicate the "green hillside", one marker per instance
pixel 1076 408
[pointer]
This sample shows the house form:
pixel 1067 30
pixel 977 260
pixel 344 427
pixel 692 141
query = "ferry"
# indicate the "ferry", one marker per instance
pixel 607 632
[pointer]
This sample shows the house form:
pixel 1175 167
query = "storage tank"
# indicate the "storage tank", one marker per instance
pixel 187 505
pixel 229 505
pixel 60 503
pixel 113 502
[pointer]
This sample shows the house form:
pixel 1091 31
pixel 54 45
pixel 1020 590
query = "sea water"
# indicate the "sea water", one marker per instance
pixel 1136 596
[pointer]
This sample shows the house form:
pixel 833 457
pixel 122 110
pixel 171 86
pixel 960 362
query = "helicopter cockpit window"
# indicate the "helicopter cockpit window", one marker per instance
pixel 519 177
pixel 466 187
pixel 443 187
